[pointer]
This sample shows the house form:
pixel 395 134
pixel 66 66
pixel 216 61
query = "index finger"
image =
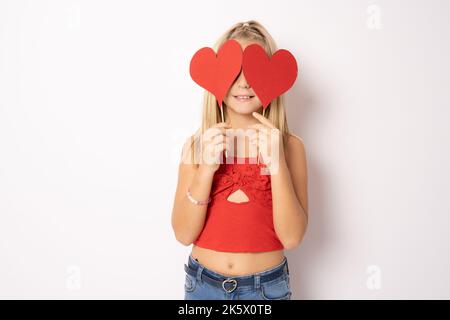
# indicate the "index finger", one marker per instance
pixel 264 120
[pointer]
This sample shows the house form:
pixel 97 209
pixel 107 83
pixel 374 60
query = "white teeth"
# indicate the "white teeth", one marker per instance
pixel 243 97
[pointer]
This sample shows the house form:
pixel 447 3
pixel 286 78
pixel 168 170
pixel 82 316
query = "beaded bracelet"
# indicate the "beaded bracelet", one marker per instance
pixel 197 202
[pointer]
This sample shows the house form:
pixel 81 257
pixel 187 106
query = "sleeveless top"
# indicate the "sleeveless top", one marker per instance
pixel 245 226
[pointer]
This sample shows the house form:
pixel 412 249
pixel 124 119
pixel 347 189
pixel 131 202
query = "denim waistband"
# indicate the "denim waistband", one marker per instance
pixel 198 270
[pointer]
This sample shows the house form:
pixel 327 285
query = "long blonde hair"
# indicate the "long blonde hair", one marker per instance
pixel 275 111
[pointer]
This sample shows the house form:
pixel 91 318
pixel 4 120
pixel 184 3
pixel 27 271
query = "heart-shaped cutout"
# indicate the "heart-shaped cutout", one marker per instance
pixel 216 73
pixel 269 77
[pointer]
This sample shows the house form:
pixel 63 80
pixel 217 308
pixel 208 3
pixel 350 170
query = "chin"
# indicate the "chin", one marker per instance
pixel 244 109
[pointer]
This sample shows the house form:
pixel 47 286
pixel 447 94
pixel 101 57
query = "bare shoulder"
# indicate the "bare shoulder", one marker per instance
pixel 295 149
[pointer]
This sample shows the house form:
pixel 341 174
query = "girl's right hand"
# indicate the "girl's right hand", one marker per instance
pixel 213 144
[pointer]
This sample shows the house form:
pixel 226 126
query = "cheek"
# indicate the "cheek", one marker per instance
pixel 227 100
pixel 228 96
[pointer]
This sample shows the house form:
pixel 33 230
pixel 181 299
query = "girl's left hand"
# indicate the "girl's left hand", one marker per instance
pixel 269 137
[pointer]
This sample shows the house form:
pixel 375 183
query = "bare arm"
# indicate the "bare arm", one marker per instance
pixel 289 194
pixel 188 218
pixel 289 184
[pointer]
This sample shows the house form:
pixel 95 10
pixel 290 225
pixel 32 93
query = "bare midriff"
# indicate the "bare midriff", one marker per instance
pixel 237 264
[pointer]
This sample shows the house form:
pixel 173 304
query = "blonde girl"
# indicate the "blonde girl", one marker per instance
pixel 238 220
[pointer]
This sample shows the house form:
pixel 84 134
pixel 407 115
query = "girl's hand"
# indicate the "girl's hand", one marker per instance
pixel 213 144
pixel 267 137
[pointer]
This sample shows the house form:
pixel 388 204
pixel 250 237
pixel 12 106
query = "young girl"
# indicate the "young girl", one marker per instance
pixel 238 219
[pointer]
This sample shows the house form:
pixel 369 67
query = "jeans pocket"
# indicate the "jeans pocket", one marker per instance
pixel 278 289
pixel 190 283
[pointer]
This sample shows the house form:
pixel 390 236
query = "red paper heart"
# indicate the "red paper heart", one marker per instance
pixel 269 78
pixel 216 73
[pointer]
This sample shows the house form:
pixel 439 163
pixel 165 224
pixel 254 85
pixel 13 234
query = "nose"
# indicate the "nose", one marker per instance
pixel 242 82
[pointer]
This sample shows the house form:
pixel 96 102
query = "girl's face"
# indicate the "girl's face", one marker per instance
pixel 241 98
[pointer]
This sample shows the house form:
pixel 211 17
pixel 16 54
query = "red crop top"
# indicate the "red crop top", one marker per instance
pixel 245 226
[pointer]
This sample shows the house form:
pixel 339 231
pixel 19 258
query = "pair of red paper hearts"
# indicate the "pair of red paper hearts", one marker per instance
pixel 269 77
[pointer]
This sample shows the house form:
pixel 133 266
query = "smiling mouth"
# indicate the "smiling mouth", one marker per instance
pixel 243 98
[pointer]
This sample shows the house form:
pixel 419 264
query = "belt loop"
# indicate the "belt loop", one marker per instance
pixel 199 273
pixel 257 281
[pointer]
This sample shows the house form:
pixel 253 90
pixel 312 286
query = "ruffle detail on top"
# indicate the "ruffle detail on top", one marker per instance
pixel 247 176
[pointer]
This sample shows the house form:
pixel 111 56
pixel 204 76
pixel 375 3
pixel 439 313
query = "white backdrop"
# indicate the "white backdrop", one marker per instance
pixel 96 100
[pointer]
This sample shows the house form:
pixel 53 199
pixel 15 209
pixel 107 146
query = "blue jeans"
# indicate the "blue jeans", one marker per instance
pixel 202 283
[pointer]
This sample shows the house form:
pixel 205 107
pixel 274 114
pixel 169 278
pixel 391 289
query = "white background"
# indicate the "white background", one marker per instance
pixel 96 100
